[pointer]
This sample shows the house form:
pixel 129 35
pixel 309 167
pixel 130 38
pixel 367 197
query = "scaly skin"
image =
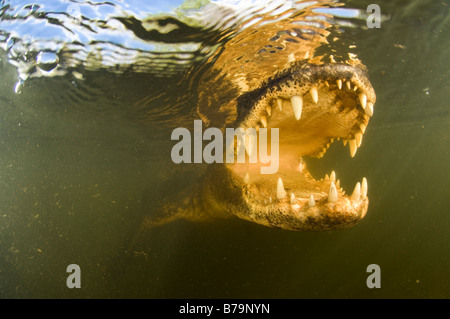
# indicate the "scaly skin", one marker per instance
pixel 263 78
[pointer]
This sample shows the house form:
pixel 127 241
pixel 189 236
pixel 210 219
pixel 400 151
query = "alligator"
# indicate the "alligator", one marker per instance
pixel 271 75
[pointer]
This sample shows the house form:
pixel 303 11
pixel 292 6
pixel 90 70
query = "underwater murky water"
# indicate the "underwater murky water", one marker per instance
pixel 88 101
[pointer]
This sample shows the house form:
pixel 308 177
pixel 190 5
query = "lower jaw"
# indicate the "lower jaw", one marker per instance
pixel 293 210
pixel 322 217
pixel 292 170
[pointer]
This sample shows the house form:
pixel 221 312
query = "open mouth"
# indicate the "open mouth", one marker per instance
pixel 312 106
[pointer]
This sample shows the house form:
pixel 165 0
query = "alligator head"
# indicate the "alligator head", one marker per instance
pixel 270 76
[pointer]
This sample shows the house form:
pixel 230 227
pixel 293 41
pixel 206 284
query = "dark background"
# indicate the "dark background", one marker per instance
pixel 74 185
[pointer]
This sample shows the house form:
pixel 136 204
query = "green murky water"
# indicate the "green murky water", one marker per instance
pixel 81 161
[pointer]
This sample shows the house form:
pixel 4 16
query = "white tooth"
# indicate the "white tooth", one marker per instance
pixel 270 199
pixel 355 88
pixel 269 110
pixel 353 147
pixel 327 84
pixel 339 84
pixel 333 176
pixel 363 100
pixel 281 193
pixel 364 187
pixel 349 85
pixel 280 104
pixel 327 177
pixel 314 94
pixel 363 128
pixel 264 121
pixel 297 105
pixel 358 138
pixel 332 195
pixel 344 142
pixel 369 108
pixel 293 199
pixel 311 201
pixel 338 184
pixel 247 178
pixel 291 57
pixel 356 192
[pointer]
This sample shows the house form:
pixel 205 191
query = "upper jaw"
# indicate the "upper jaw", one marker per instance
pixel 301 83
pixel 309 97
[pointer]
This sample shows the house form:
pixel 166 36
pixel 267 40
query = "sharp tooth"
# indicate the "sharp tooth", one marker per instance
pixel 280 104
pixel 270 199
pixel 291 57
pixel 314 94
pixel 281 193
pixel 363 100
pixel 338 184
pixel 364 187
pixel 311 201
pixel 327 177
pixel 327 84
pixel 369 108
pixel 356 192
pixel 333 176
pixel 353 147
pixel 349 85
pixel 247 178
pixel 363 128
pixel 264 121
pixel 355 88
pixel 332 195
pixel 297 105
pixel 344 142
pixel 339 84
pixel 293 199
pixel 358 138
pixel 269 110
